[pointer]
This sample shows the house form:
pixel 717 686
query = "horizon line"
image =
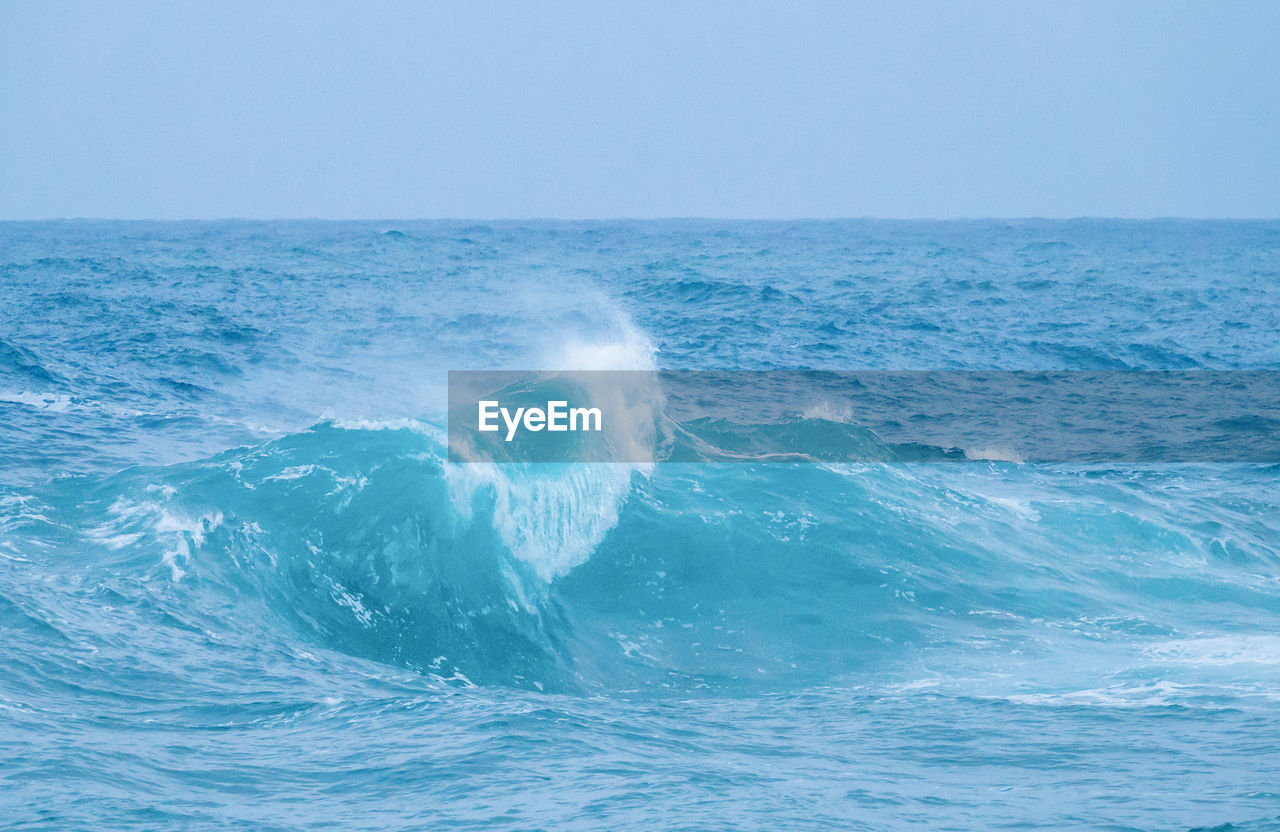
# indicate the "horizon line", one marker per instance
pixel 673 218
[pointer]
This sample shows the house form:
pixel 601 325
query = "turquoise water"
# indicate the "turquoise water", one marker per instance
pixel 240 588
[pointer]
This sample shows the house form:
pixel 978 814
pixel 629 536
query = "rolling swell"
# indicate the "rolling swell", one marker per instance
pixel 360 539
pixel 348 539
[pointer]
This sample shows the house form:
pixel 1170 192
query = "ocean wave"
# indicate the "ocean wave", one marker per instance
pixel 361 537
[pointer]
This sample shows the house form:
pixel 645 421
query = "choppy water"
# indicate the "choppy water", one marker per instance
pixel 241 589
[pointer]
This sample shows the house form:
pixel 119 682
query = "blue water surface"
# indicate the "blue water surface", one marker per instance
pixel 240 587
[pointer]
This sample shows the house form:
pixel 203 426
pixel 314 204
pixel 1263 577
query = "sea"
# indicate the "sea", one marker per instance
pixel 243 587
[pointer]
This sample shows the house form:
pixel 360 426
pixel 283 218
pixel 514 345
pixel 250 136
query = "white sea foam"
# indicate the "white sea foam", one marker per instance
pixel 620 345
pixel 993 454
pixel 551 521
pixel 553 517
pixel 53 402
pixel 179 531
pixel 1218 651
pixel 415 425
pixel 829 411
pixel 1155 694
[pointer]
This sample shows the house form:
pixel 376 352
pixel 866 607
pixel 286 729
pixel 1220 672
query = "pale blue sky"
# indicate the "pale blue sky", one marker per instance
pixel 646 109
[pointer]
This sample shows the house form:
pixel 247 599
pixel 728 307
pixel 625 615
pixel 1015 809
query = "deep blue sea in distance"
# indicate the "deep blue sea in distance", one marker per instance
pixel 241 588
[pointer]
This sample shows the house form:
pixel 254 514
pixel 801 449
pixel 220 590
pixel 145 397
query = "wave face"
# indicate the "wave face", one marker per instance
pixel 241 587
